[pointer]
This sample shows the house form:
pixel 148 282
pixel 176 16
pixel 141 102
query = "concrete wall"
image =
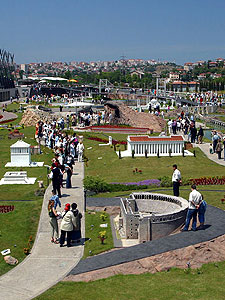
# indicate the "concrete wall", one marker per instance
pixel 6 94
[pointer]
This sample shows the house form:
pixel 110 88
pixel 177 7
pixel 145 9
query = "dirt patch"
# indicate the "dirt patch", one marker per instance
pixel 111 210
pixel 122 114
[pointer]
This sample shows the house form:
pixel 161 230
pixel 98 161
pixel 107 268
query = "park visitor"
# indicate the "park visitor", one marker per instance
pixel 176 180
pixel 80 150
pixel 53 222
pixel 201 213
pixel 219 148
pixel 67 224
pixel 56 200
pixel 195 199
pixel 76 233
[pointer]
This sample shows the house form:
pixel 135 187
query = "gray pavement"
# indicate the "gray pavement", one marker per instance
pixel 48 263
pixel 214 227
pixel 214 157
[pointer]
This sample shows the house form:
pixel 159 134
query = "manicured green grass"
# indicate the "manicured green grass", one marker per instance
pixel 113 169
pixel 206 283
pixel 92 232
pixel 213 196
pixel 17 226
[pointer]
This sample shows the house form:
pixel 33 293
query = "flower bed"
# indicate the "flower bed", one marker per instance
pixel 142 182
pixel 208 181
pixel 106 141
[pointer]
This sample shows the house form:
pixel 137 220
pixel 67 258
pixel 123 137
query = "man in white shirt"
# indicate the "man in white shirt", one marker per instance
pixel 176 180
pixel 195 199
pixel 170 126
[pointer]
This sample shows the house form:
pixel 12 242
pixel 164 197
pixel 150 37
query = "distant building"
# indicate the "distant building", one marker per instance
pixel 138 73
pixel 213 64
pixel 201 76
pixel 188 66
pixel 24 67
pixel 174 76
pixel 181 86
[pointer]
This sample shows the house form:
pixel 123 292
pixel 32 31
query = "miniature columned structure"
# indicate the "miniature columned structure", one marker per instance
pixel 20 154
pixel 154 145
pixel 142 145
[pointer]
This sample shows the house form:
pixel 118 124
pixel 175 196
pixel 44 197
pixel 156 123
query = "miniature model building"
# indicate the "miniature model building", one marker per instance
pixel 21 156
pixel 153 146
pixel 148 216
pixel 17 178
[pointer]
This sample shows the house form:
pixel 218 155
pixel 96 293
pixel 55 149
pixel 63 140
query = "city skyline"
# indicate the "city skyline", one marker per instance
pixel 105 31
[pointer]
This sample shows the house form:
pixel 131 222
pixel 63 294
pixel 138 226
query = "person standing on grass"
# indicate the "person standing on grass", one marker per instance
pixel 53 221
pixel 195 199
pixel 176 180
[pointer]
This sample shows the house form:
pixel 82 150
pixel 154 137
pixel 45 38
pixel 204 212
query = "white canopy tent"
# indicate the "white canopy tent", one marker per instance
pixel 78 103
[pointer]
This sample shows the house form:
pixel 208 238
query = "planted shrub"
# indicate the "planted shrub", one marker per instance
pixel 133 153
pixel 96 184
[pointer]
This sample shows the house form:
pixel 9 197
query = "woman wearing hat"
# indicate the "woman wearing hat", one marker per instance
pixel 67 225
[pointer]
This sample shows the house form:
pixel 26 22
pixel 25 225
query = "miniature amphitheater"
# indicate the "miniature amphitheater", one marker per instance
pixel 148 216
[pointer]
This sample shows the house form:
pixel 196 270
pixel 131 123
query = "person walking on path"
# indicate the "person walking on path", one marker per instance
pixel 69 172
pixel 56 200
pixel 67 225
pixel 195 199
pixel 201 213
pixel 176 180
pixel 53 221
pixel 215 139
pixel 219 148
pixel 200 134
pixel 55 176
pixel 80 150
pixel 76 233
pixel 224 147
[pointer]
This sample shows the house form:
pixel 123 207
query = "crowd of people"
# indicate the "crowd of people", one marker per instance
pixel 186 126
pixel 70 222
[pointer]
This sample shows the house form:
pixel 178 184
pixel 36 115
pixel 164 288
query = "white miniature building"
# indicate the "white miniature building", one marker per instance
pixel 162 145
pixel 21 156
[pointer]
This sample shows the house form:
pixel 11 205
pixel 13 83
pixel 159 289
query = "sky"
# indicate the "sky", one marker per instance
pixel 93 30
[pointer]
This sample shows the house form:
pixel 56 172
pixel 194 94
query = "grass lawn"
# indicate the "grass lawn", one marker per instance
pixel 92 232
pixel 17 226
pixel 211 193
pixel 206 283
pixel 113 169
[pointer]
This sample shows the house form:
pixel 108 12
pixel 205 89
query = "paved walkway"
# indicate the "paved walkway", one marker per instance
pixel 215 226
pixel 48 263
pixel 7 117
pixel 214 157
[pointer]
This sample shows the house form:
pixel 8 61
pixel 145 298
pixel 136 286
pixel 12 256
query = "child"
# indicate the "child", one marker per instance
pixel 211 149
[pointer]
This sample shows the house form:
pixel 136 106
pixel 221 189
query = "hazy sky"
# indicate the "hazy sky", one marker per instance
pixel 85 30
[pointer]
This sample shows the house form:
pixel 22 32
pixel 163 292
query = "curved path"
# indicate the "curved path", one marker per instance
pixel 7 117
pixel 215 226
pixel 205 148
pixel 48 263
